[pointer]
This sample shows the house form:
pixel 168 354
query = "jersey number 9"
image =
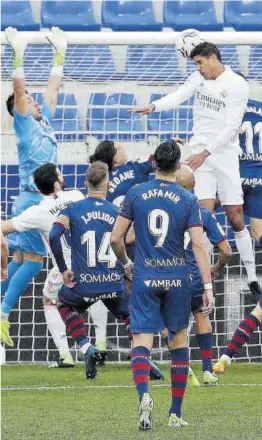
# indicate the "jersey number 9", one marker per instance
pixel 158 222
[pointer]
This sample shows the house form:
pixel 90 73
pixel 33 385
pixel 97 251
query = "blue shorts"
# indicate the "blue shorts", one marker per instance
pixel 28 241
pixel 157 302
pixel 116 302
pixel 252 201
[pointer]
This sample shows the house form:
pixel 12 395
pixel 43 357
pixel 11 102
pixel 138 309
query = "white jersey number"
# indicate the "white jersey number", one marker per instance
pixel 250 131
pixel 158 222
pixel 105 253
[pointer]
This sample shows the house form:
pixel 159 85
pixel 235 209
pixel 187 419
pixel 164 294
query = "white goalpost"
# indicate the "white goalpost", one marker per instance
pixel 106 74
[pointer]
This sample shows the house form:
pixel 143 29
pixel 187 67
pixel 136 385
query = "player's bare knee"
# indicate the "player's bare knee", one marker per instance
pixel 141 339
pixel 47 302
pixel 203 324
pixel 256 228
pixel 18 257
pixel 257 312
pixel 208 203
pixel 179 340
pixel 164 333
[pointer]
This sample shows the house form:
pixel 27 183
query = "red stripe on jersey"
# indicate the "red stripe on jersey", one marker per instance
pixel 251 323
pixel 239 339
pixel 178 377
pixel 206 353
pixel 141 378
pixel 140 366
pixel 178 392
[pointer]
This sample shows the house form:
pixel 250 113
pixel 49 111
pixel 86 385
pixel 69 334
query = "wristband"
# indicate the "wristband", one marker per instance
pixel 18 69
pixel 125 266
pixel 57 71
pixel 208 286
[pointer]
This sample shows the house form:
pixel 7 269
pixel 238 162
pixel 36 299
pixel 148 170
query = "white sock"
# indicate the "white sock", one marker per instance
pixel 57 329
pixel 98 312
pixel 85 347
pixel 245 249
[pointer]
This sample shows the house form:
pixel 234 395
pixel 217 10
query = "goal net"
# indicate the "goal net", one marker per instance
pixel 106 74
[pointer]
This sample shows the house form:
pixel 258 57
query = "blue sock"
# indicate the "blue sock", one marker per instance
pixel 179 372
pixel 13 266
pixel 140 369
pixel 19 283
pixel 205 342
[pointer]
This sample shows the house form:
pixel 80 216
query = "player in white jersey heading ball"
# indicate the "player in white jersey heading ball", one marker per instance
pixel 220 100
pixel 50 183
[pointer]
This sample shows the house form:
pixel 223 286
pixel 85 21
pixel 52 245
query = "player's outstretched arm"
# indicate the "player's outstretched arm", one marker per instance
pixel 18 43
pixel 171 100
pixel 58 40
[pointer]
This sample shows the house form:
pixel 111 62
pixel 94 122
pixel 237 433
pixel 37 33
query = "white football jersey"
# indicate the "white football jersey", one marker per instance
pixel 218 109
pixel 44 215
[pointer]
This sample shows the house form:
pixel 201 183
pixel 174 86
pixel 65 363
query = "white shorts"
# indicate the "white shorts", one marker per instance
pixel 53 284
pixel 219 175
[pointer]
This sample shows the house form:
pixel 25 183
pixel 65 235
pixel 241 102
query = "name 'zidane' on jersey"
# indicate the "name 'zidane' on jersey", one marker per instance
pixel 160 232
pixel 94 263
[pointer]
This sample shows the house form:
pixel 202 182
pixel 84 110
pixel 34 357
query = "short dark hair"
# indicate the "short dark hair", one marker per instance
pixel 167 156
pixel 45 178
pixel 206 50
pixel 104 152
pixel 10 103
pixel 96 173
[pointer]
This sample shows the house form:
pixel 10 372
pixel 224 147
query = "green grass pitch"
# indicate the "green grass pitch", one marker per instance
pixel 72 408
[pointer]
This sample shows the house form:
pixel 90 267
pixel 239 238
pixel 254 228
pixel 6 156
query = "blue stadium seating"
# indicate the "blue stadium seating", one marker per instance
pixel 69 15
pixel 89 63
pixel 38 60
pixel 129 15
pixel 243 15
pixel 177 121
pixel 255 62
pixel 66 121
pixel 152 63
pixel 199 15
pixel 111 121
pixel 17 14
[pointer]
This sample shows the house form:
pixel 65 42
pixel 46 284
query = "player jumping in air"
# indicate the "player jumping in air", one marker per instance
pixel 251 176
pixel 36 145
pixel 220 100
pixel 162 211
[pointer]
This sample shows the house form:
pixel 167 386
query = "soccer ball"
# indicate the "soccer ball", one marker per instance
pixel 187 40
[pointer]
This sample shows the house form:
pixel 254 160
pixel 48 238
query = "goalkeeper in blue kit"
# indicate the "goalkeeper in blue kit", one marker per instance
pixel 36 146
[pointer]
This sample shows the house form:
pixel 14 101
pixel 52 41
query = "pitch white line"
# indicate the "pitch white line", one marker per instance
pixel 102 387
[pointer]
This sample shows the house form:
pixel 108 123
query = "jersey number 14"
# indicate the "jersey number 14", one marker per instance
pixel 104 254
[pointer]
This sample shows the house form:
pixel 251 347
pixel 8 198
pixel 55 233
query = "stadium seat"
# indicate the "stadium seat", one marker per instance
pixel 69 15
pixel 17 14
pixel 129 15
pixel 181 15
pixel 66 121
pixel 90 64
pixel 255 62
pixel 243 15
pixel 167 124
pixel 110 120
pixel 152 63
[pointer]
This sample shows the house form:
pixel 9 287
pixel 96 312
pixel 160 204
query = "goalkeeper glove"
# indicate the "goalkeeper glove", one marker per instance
pixel 18 44
pixel 58 40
